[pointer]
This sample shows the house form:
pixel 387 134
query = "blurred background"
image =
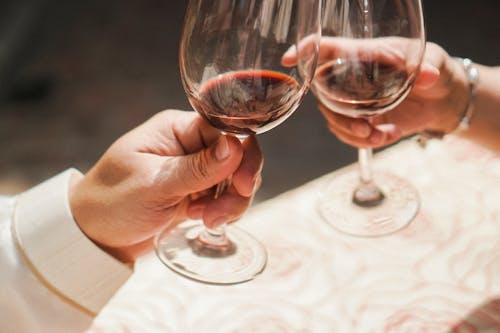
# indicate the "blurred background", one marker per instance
pixel 75 75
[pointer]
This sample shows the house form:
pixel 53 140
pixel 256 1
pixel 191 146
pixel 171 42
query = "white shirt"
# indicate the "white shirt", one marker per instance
pixel 53 278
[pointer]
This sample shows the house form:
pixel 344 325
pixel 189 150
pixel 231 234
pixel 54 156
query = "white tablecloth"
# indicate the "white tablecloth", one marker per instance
pixel 439 274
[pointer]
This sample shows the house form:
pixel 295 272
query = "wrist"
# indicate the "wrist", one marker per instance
pixel 486 119
pixel 84 211
pixel 84 221
pixel 472 81
pixel 463 89
pixel 458 105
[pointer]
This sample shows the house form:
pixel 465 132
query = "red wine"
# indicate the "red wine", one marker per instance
pixel 360 88
pixel 247 102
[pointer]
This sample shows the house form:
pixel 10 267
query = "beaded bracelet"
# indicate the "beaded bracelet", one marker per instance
pixel 465 119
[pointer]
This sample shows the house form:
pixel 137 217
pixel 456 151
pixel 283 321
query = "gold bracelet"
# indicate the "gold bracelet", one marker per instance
pixel 466 117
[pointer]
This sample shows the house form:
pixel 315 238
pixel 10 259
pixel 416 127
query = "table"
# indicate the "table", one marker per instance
pixel 439 274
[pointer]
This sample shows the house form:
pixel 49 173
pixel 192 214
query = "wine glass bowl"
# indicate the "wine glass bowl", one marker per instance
pixel 231 67
pixel 367 77
pixel 230 61
pixel 370 55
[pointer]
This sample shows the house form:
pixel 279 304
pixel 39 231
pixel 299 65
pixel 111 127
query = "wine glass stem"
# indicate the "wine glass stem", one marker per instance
pixel 214 242
pixel 367 193
pixel 365 157
pixel 215 236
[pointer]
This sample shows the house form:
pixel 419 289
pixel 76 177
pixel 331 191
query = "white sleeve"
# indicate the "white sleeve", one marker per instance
pixel 54 279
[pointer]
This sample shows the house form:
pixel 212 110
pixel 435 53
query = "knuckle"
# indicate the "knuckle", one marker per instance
pixel 198 165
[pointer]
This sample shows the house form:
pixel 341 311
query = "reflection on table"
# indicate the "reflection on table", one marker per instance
pixel 439 274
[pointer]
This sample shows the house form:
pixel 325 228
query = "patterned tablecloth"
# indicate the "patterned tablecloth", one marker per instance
pixel 439 274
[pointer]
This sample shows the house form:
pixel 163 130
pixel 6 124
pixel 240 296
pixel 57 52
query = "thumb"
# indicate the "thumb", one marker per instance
pixel 204 169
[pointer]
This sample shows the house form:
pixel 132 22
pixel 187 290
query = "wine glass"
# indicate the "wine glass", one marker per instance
pixel 231 68
pixel 370 55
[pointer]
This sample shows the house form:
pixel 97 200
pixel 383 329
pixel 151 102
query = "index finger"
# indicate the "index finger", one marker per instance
pixel 307 45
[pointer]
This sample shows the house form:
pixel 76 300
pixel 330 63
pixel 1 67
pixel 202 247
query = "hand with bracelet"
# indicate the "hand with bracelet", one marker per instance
pixel 448 92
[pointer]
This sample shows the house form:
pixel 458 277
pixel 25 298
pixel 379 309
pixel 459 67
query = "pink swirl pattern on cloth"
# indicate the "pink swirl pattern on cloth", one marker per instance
pixel 440 274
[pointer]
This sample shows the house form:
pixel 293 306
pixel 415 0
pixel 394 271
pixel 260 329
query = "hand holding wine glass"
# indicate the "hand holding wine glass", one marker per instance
pixel 157 175
pixel 230 61
pixel 435 103
pixel 370 55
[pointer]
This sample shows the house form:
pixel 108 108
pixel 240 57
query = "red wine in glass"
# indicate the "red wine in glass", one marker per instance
pixel 248 101
pixel 361 88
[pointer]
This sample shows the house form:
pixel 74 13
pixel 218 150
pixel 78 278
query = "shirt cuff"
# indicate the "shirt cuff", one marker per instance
pixel 59 253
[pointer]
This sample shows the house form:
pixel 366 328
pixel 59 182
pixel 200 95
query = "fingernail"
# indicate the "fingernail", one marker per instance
pixel 361 129
pixel 222 149
pixel 376 137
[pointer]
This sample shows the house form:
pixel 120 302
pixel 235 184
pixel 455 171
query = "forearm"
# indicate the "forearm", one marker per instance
pixel 485 122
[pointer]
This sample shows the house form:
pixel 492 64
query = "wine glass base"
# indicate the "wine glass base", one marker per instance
pixel 396 211
pixel 178 251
